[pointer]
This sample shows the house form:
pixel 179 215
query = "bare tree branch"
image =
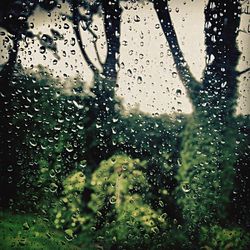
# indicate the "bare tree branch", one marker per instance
pixel 245 9
pixel 243 72
pixel 112 12
pixel 245 13
pixel 243 31
pixel 76 19
pixel 191 84
pixel 245 1
pixel 97 54
pixel 95 37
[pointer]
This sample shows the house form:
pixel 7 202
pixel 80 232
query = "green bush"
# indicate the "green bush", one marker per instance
pixel 119 202
pixel 220 238
pixel 68 211
pixel 48 125
pixel 30 232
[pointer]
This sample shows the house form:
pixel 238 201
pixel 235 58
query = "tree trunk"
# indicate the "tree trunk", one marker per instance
pixel 7 139
pixel 103 109
pixel 207 155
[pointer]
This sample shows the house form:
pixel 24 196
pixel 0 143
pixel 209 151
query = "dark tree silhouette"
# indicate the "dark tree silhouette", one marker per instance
pixel 102 109
pixel 14 19
pixel 14 16
pixel 206 173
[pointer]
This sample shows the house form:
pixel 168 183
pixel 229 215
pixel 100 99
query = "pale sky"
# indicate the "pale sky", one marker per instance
pixel 147 76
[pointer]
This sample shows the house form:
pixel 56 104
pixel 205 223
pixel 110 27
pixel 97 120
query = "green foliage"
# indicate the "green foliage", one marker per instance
pixel 108 179
pixel 216 237
pixel 30 232
pixel 118 200
pixel 54 143
pixel 140 134
pixel 240 198
pixel 68 210
pixel 207 168
pixel 155 139
pixel 115 179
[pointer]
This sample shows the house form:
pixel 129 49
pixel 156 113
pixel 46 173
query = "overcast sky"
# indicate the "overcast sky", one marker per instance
pixel 147 76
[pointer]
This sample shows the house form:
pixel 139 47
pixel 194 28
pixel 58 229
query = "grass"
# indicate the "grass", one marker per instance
pixel 30 232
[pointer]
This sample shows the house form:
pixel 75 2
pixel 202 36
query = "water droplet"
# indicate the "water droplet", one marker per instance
pixel 69 148
pixel 129 72
pixel 79 106
pixel 137 19
pixel 178 92
pixel 112 200
pixel 53 187
pixel 26 226
pixel 157 26
pixel 155 230
pixel 72 41
pixel 42 49
pixel 161 203
pixel 66 26
pixel 69 234
pixel 163 216
pixel 174 74
pixel 185 187
pixel 10 168
pixel 139 80
pixel 33 142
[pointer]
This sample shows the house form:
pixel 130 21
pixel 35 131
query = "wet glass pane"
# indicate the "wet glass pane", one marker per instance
pixel 124 124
